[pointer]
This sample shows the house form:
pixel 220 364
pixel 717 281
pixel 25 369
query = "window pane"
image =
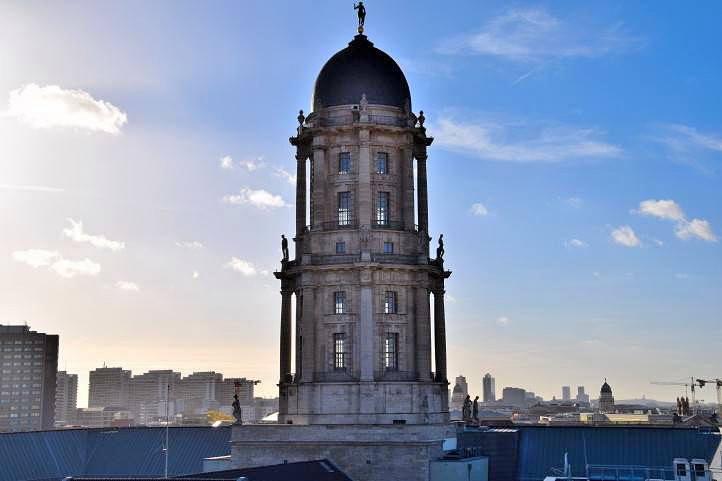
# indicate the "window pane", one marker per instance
pixel 340 302
pixel 339 350
pixel 382 209
pixel 391 351
pixel 382 163
pixel 388 247
pixel 344 208
pixel 340 247
pixel 344 162
pixel 390 302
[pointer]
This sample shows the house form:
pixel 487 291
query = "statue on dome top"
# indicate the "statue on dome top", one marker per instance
pixel 361 15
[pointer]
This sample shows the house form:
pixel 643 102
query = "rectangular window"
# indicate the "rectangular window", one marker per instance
pixel 390 302
pixel 339 298
pixel 391 351
pixel 388 247
pixel 344 162
pixel 382 163
pixel 339 350
pixel 340 247
pixel 382 209
pixel 344 208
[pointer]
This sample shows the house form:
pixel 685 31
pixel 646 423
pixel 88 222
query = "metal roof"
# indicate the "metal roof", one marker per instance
pixel 53 455
pixel 543 447
pixel 320 470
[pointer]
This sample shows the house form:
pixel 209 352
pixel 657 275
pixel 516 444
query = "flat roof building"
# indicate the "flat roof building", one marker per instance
pixel 29 364
pixel 66 398
pixel 109 386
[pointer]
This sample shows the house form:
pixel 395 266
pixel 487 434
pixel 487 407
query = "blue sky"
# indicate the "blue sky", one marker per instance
pixel 588 137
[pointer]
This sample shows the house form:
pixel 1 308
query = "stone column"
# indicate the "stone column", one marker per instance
pixel 300 197
pixel 308 334
pixel 319 171
pixel 365 206
pixel 422 194
pixel 406 162
pixel 285 334
pixel 423 334
pixel 440 334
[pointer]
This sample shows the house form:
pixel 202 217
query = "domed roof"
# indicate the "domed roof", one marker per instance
pixel 361 69
pixel 606 388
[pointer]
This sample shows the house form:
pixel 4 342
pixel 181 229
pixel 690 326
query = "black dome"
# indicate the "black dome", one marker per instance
pixel 361 69
pixel 606 388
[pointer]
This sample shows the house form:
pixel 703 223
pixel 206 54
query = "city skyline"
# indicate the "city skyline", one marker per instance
pixel 576 181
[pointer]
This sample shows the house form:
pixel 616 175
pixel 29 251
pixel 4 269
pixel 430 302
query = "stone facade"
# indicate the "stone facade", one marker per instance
pixel 363 452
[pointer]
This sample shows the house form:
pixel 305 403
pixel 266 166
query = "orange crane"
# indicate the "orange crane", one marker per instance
pixel 718 384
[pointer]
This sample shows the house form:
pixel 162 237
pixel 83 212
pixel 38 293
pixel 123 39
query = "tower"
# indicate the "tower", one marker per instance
pixel 566 393
pixel 606 399
pixel 489 388
pixel 362 276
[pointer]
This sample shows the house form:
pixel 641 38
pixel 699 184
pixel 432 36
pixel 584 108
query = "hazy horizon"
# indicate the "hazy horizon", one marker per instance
pixel 146 178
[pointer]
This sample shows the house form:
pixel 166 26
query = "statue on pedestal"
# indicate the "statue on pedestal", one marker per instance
pixel 466 410
pixel 475 411
pixel 361 15
pixel 237 411
pixel 284 247
pixel 440 250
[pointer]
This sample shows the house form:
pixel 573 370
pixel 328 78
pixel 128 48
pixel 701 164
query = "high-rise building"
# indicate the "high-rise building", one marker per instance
pixel 153 394
pixel 227 388
pixel 198 392
pixel 566 393
pixel 459 393
pixel 489 388
pixel 109 386
pixel 582 397
pixel 66 398
pixel 514 396
pixel 28 369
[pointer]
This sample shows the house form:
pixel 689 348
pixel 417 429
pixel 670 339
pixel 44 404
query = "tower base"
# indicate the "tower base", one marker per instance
pixel 364 452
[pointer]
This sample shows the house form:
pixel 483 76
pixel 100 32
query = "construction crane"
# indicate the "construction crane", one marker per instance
pixel 718 384
pixel 686 385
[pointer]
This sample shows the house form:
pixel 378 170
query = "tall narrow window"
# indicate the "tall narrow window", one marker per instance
pixel 344 162
pixel 391 351
pixel 339 299
pixel 339 350
pixel 382 163
pixel 382 209
pixel 340 247
pixel 344 208
pixel 390 302
pixel 388 247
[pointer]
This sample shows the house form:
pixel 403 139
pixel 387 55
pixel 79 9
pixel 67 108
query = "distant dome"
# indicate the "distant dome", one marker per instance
pixel 606 388
pixel 361 69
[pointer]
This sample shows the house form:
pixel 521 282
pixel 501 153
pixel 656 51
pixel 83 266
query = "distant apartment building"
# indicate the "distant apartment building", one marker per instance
pixel 66 398
pixel 152 395
pixel 226 388
pixel 459 393
pixel 514 396
pixel 198 392
pixel 489 388
pixel 566 393
pixel 28 368
pixel 109 386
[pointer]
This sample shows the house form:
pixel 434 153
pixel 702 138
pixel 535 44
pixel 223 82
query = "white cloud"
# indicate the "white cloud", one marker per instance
pixel 36 257
pixel 576 243
pixel 664 209
pixel 534 35
pixel 243 266
pixel 669 209
pixel 195 274
pixel 575 202
pixel 503 320
pixel 226 162
pixel 684 138
pixel 290 178
pixel 252 165
pixel 54 261
pixel 258 198
pixel 127 286
pixel 699 228
pixel 479 209
pixel 507 142
pixel 189 244
pixel 75 232
pixel 53 106
pixel 681 275
pixel 68 269
pixel 625 236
